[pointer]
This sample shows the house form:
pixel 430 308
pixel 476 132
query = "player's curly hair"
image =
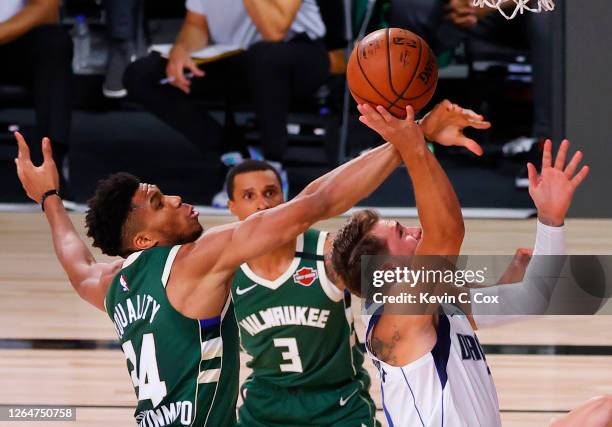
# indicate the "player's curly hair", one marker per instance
pixel 352 242
pixel 108 213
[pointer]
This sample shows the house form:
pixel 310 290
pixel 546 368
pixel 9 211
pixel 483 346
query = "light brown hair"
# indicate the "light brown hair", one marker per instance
pixel 352 242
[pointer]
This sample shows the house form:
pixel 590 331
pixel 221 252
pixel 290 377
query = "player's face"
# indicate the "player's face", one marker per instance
pixel 401 240
pixel 254 192
pixel 166 220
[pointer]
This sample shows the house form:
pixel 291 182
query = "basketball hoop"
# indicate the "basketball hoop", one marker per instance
pixel 520 6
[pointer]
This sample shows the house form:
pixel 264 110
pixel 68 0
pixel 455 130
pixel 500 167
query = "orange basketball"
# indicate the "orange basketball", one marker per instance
pixel 393 68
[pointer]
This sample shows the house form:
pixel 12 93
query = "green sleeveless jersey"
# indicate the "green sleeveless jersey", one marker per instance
pixel 184 371
pixel 298 328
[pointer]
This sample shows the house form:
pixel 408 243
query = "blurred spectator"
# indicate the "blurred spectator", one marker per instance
pixel 37 52
pixel 446 23
pixel 124 29
pixel 285 55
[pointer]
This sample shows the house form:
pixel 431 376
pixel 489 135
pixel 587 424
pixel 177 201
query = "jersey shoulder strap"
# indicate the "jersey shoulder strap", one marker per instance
pixel 314 250
pixel 311 242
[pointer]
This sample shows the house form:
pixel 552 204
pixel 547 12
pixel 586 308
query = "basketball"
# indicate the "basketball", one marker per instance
pixel 392 67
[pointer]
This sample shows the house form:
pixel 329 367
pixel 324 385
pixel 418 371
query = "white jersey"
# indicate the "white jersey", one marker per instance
pixel 451 386
pixel 9 8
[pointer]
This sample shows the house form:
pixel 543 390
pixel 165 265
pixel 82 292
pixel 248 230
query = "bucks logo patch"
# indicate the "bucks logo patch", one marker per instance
pixel 305 276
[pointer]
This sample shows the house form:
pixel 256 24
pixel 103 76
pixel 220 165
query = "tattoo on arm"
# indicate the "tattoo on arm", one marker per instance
pixel 385 350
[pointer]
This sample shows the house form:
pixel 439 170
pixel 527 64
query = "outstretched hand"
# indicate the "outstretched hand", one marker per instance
pixel 36 180
pixel 399 132
pixel 446 122
pixel 553 189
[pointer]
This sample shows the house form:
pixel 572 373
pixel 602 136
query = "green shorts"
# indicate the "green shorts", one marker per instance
pixel 266 405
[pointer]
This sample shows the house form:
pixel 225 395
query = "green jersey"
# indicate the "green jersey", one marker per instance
pixel 298 328
pixel 184 371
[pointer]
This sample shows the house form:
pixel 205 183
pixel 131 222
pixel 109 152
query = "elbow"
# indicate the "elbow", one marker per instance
pixel 454 236
pixel 449 239
pixel 454 231
pixel 78 287
pixel 458 231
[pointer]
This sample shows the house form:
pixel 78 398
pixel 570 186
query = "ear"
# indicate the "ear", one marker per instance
pixel 143 240
pixel 231 206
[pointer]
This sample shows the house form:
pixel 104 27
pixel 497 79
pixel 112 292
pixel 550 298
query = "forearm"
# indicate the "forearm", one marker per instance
pixel 348 184
pixel 382 150
pixel 272 17
pixel 531 296
pixel 33 14
pixel 191 38
pixel 329 196
pixel 70 249
pixel 437 204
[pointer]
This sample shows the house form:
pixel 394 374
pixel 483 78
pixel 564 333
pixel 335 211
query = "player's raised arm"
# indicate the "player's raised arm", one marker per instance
pixel 342 189
pixel 89 278
pixel 210 262
pixel 437 203
pixel 398 338
pixel 552 191
pixel 222 249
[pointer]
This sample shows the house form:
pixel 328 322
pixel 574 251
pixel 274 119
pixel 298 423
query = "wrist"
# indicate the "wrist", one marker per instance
pixel 413 155
pixel 50 194
pixel 551 221
pixel 429 138
pixel 178 50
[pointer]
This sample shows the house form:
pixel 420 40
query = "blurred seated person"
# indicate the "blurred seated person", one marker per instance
pixel 446 23
pixel 124 32
pixel 284 56
pixel 36 52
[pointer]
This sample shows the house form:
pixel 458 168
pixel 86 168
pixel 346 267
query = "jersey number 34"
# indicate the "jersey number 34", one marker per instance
pixel 147 377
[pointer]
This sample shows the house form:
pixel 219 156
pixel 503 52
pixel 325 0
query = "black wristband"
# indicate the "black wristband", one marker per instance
pixel 47 194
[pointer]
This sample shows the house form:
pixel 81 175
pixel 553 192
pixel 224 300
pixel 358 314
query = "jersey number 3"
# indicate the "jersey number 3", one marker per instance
pixel 292 355
pixel 147 377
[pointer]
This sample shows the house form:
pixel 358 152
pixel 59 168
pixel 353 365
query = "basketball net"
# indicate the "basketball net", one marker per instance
pixel 520 6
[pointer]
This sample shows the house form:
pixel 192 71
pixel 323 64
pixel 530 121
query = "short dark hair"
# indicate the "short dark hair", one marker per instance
pixel 245 167
pixel 352 242
pixel 108 213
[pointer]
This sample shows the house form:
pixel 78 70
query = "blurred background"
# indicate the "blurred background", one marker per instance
pixel 536 76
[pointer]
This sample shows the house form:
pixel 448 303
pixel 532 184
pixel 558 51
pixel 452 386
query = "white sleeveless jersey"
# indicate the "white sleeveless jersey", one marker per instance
pixel 451 386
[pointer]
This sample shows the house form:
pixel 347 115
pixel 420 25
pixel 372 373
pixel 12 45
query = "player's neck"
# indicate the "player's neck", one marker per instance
pixel 274 263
